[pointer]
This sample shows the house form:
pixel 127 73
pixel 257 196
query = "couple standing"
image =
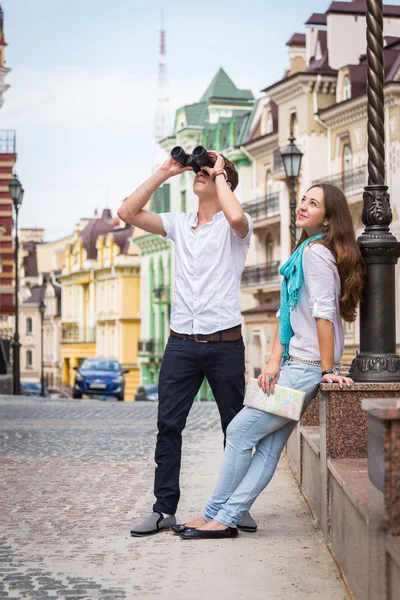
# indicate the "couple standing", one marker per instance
pixel 206 340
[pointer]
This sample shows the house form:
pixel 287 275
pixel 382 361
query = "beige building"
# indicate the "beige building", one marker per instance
pixel 39 264
pixel 100 310
pixel 322 102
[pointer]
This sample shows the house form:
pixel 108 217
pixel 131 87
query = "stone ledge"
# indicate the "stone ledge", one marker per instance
pixel 352 476
pixel 312 436
pixel 393 548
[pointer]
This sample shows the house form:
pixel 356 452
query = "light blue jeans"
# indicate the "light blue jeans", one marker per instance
pixel 245 474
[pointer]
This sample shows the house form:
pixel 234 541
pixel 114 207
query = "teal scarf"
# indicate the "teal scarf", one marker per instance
pixel 292 282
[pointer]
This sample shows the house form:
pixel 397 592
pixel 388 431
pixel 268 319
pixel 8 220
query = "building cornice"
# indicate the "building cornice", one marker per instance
pixel 354 109
pixel 263 145
pixel 151 243
pixel 297 85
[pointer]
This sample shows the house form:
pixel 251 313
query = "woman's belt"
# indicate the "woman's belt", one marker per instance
pixel 315 363
pixel 226 335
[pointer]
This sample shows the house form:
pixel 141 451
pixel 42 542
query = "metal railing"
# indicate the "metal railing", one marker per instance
pixel 351 182
pixel 151 346
pixel 263 208
pixel 161 293
pixel 72 335
pixel 261 274
pixel 7 141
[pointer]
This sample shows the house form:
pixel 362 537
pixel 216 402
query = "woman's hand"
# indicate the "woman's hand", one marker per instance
pixel 269 377
pixel 342 381
pixel 172 167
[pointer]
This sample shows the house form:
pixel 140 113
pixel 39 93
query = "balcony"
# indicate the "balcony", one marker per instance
pixel 351 182
pixel 263 208
pixel 261 275
pixel 78 335
pixel 7 141
pixel 150 347
pixel 161 294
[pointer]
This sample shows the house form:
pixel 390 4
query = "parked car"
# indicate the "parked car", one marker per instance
pixel 147 392
pixel 99 377
pixel 32 388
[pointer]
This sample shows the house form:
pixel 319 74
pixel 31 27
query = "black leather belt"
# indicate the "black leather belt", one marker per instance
pixel 226 335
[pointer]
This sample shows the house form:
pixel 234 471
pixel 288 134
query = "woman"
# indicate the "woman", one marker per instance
pixel 322 283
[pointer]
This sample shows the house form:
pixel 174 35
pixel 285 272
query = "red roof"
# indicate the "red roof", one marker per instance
pixel 359 7
pixel 297 39
pixel 316 19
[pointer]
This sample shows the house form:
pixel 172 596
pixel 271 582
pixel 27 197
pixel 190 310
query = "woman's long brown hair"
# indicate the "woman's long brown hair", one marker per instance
pixel 340 238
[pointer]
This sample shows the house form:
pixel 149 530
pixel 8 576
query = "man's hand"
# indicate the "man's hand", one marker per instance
pixel 172 167
pixel 269 377
pixel 219 162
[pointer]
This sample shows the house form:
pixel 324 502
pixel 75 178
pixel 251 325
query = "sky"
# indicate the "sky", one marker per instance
pixel 83 90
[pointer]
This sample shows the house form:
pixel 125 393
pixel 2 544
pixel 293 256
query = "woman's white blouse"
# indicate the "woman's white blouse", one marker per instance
pixel 319 298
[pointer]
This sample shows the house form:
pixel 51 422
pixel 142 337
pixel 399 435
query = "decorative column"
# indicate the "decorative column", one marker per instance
pixel 377 361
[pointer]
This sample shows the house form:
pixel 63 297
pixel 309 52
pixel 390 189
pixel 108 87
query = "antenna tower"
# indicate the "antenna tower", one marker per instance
pixel 162 106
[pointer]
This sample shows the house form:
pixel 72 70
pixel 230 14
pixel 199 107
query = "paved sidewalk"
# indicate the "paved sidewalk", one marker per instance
pixel 75 475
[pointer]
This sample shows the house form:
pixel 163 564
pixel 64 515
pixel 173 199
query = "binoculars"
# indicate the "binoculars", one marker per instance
pixel 198 159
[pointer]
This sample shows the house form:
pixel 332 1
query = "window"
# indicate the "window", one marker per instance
pixel 269 248
pixel 269 182
pixel 29 363
pixel 29 326
pixel 347 88
pixel 294 126
pixel 347 164
pixel 270 123
pixel 347 158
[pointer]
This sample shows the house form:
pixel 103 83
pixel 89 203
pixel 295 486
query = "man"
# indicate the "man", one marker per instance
pixel 205 341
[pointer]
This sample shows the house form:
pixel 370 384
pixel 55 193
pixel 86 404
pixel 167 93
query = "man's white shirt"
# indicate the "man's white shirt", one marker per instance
pixel 208 266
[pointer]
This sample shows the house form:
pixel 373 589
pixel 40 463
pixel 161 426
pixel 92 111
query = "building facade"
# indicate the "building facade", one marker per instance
pixel 8 158
pixel 321 100
pixel 100 308
pixel 219 121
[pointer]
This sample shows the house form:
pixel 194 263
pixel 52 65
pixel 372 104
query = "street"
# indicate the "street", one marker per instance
pixel 76 474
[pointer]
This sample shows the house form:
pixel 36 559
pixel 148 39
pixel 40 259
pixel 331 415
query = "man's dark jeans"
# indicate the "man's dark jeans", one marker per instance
pixel 184 366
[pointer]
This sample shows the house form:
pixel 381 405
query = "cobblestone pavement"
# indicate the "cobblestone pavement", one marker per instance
pixel 75 475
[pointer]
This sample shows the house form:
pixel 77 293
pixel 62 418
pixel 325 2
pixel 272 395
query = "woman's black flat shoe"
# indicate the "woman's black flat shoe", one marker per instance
pixel 178 528
pixel 209 534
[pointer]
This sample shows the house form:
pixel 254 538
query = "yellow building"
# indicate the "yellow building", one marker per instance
pixel 101 299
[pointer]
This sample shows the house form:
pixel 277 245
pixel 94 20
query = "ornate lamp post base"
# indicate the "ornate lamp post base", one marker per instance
pixel 377 361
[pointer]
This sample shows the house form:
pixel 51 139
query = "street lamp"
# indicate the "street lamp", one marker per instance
pixel 291 157
pixel 16 194
pixel 377 360
pixel 42 308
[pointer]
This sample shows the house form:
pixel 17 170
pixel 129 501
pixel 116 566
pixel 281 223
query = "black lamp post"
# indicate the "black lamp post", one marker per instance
pixel 377 361
pixel 291 157
pixel 16 194
pixel 42 308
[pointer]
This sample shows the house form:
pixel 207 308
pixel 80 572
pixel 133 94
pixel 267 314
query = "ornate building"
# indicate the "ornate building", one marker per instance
pixel 8 158
pixel 321 100
pixel 100 309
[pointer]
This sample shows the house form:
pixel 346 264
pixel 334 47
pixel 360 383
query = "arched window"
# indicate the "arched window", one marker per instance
pixel 29 328
pixel 270 122
pixel 268 183
pixel 269 248
pixel 294 126
pixel 347 158
pixel 347 88
pixel 347 166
